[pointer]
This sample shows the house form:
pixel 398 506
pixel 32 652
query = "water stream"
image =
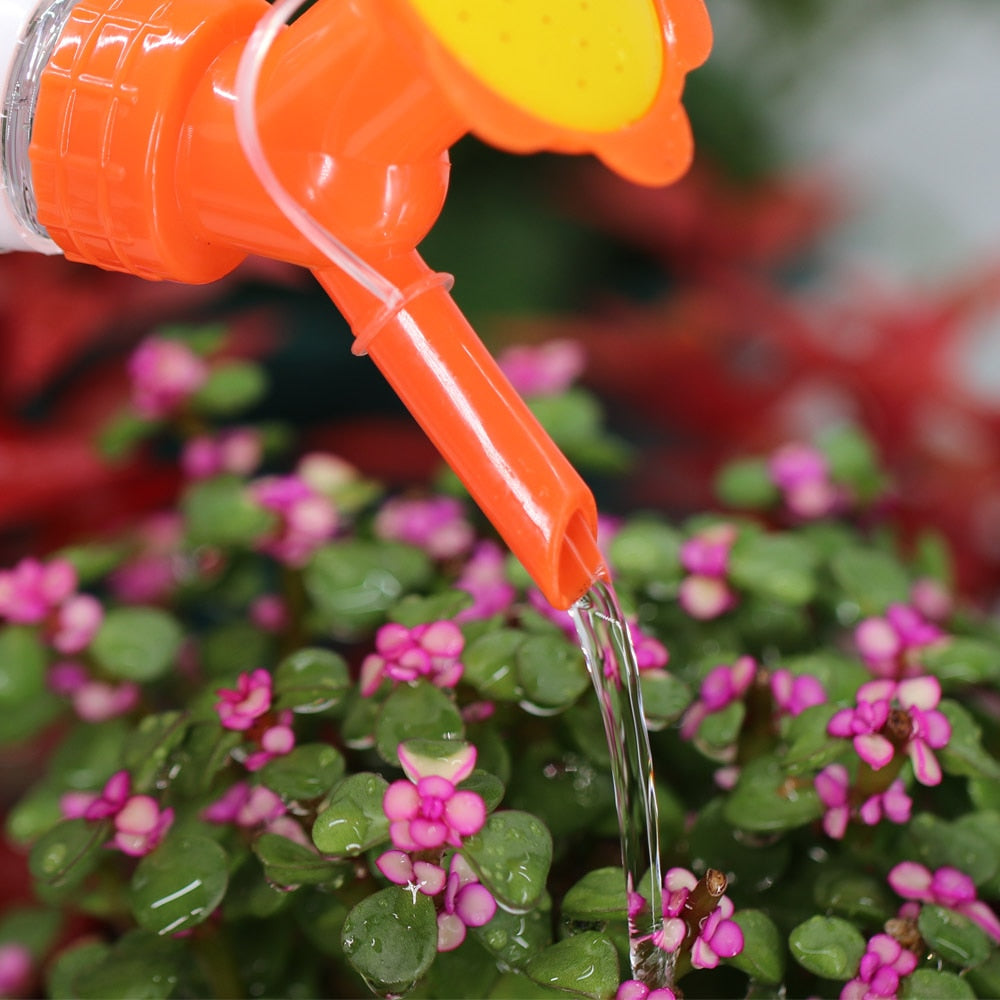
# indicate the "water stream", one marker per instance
pixel 611 660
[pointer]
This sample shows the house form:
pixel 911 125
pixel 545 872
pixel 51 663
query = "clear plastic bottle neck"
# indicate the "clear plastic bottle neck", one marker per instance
pixel 24 55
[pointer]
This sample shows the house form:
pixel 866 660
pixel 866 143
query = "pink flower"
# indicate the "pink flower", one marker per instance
pixel 633 989
pixel 884 962
pixel 890 646
pixel 802 474
pixel 435 524
pixel 722 686
pixel 946 887
pixel 151 573
pixel 76 624
pixel 422 876
pixel 269 613
pixel 467 903
pixel 677 886
pixel 240 708
pixel 650 653
pixel 93 700
pixel 16 969
pixel 140 825
pixel 306 519
pixel 431 650
pixel 275 741
pixel 793 695
pixel 543 369
pixel 428 812
pixel 931 599
pixel 485 578
pixel 165 373
pixel 32 590
pixel 719 937
pixel 245 806
pixel 110 801
pixel 704 594
pixel 833 787
pixel 915 726
pixel 237 451
pixel 894 804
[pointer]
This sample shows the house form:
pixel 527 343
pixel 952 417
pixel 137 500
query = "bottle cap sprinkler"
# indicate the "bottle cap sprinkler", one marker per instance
pixel 171 138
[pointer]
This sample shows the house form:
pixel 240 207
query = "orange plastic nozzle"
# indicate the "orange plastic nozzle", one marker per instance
pixel 137 166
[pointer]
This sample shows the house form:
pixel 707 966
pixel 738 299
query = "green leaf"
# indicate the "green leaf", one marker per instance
pixel 486 785
pixel 415 610
pixel 964 753
pixel 763 954
pixel 220 511
pixel 94 560
pixel 179 884
pixel 88 755
pixel 228 649
pixel 311 680
pixel 68 853
pixel 71 962
pixel 720 730
pixel 985 978
pixel 767 800
pixel 664 697
pixel 647 551
pixel 290 865
pixel 33 927
pixel 954 936
pixel 828 947
pixel 138 966
pixel 961 660
pixel 250 895
pixel 585 964
pixel 512 854
pixel 853 894
pixel 971 848
pixel 809 747
pixel 391 939
pixel 490 664
pixel 354 582
pixel 779 567
pixel 514 937
pixel 149 746
pixel 122 434
pixel 599 895
pixel 870 578
pixel 746 484
pixel 840 675
pixel 551 671
pixel 230 388
pixel 926 984
pixel 575 422
pixel 137 644
pixel 33 814
pixel 466 971
pixel 22 667
pixel 354 819
pixel 853 461
pixel 305 774
pixel 416 711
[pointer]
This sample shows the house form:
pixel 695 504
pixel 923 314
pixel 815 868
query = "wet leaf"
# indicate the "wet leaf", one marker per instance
pixel 828 947
pixel 646 551
pixel 73 961
pixel 780 567
pixel 308 772
pixel 230 388
pixel 664 697
pixel 416 711
pixel 551 671
pixel 514 937
pixel 179 884
pixel 853 894
pixel 599 895
pixel 311 680
pixel 964 753
pixel 22 667
pixel 870 578
pixel 961 660
pixel 763 954
pixel 746 484
pixel 391 938
pixel 69 852
pixel 34 927
pixel 968 847
pixel 289 864
pixel 954 936
pixel 149 746
pixel 491 667
pixel 220 511
pixel 585 964
pixel 354 819
pixel 415 610
pixel 766 799
pixel 139 966
pixel 926 984
pixel 512 854
pixel 809 746
pixel 137 644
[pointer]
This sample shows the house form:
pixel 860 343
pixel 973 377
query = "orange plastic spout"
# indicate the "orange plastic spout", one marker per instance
pixel 137 166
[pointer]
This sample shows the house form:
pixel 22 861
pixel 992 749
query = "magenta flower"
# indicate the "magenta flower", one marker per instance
pixel 435 524
pixel 633 989
pixel 92 700
pixel 112 798
pixel 16 969
pixel 306 519
pixel 704 594
pixel 269 613
pixel 237 451
pixel 946 887
pixel 650 653
pixel 884 962
pixel 485 578
pixel 467 903
pixel 792 694
pixel 32 590
pixel 245 806
pixel 165 373
pixel 140 825
pixel 890 645
pixel 402 655
pixel 276 740
pixel 719 937
pixel 931 599
pixel 802 475
pixel 240 708
pixel 428 811
pixel 878 728
pixel 677 886
pixel 76 623
pixel 419 876
pixel 543 369
pixel 150 575
pixel 834 790
pixel 722 686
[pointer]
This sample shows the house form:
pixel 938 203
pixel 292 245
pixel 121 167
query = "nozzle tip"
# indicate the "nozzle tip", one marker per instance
pixel 580 562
